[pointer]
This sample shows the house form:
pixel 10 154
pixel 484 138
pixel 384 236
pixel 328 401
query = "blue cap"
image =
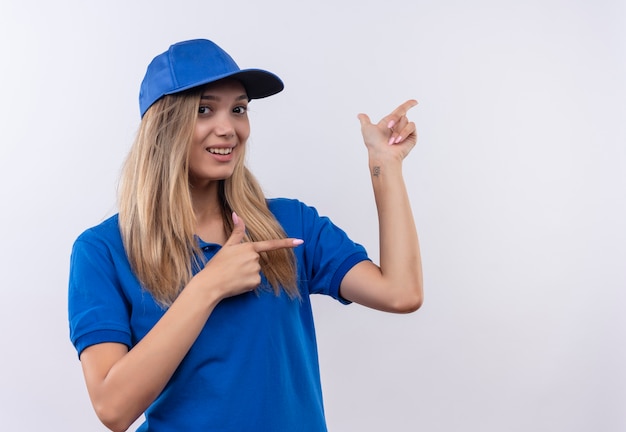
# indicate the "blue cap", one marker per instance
pixel 193 63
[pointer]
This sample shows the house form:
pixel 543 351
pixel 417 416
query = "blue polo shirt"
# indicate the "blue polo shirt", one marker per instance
pixel 254 366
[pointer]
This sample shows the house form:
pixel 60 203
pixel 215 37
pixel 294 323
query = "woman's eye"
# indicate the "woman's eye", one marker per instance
pixel 204 110
pixel 240 110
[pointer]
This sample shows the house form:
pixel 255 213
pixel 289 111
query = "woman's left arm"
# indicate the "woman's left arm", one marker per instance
pixel 395 285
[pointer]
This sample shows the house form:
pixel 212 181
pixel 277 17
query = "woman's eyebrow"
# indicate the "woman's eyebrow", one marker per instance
pixel 216 98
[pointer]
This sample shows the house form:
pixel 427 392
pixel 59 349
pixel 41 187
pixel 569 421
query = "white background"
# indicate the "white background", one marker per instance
pixel 518 184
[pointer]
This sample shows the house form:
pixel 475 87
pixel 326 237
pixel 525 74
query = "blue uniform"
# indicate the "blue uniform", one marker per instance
pixel 254 366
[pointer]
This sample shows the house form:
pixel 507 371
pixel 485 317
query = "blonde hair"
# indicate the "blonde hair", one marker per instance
pixel 156 216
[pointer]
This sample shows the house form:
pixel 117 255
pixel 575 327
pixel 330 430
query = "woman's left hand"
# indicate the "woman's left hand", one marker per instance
pixel 394 134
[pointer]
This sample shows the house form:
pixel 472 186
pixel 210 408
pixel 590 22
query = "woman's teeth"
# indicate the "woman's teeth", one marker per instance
pixel 221 151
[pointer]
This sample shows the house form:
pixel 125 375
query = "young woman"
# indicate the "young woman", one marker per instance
pixel 192 304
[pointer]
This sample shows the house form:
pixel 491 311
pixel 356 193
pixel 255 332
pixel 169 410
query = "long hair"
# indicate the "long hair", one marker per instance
pixel 156 216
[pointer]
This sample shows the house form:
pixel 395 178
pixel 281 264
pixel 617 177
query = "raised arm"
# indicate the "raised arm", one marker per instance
pixel 395 285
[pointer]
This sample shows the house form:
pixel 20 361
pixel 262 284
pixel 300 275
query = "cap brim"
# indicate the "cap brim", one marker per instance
pixel 258 83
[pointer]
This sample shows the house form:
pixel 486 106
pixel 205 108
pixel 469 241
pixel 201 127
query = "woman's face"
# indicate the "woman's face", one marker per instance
pixel 222 129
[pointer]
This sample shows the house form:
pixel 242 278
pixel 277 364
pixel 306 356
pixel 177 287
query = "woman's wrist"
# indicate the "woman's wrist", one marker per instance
pixel 205 293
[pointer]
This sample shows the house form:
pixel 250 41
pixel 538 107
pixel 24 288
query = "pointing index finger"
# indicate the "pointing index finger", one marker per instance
pixel 396 115
pixel 404 108
pixel 270 245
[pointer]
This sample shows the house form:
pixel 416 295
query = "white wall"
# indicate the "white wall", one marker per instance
pixel 518 184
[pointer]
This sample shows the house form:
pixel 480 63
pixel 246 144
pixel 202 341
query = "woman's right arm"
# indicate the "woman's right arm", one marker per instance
pixel 121 383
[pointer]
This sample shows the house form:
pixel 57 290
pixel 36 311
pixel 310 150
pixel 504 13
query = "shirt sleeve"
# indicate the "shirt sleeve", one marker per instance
pixel 97 307
pixel 327 253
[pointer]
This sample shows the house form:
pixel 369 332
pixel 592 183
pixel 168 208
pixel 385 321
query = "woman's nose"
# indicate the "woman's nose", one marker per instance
pixel 224 126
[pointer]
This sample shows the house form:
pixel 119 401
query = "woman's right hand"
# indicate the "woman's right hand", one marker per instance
pixel 235 269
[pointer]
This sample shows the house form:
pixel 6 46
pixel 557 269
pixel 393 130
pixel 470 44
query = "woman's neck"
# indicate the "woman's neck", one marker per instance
pixel 208 212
